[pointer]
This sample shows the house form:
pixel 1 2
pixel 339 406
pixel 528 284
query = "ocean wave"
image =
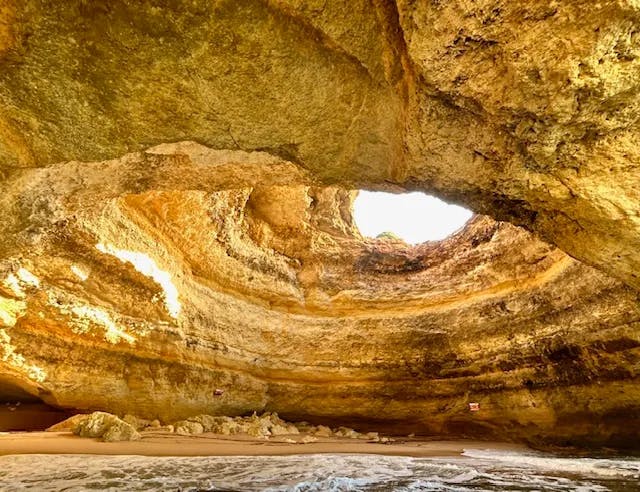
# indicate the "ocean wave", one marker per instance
pixel 478 471
pixel 589 467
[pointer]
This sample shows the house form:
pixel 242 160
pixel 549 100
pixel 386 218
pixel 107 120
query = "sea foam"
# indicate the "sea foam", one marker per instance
pixel 485 470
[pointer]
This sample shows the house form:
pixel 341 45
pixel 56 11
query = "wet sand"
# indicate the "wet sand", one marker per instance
pixel 165 444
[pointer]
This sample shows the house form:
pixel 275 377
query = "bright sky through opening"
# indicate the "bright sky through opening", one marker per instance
pixel 414 217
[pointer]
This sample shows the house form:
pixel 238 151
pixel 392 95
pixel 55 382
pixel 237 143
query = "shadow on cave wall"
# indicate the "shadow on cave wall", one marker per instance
pixel 21 411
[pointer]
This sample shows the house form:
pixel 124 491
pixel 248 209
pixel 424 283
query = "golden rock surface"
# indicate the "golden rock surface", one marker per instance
pixel 175 216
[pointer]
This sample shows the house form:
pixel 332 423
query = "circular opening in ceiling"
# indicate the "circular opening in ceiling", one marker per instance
pixel 413 217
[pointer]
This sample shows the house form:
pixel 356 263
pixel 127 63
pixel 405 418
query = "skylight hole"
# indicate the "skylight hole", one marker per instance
pixel 413 217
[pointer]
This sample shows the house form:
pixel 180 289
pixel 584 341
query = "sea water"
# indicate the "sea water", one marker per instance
pixel 476 470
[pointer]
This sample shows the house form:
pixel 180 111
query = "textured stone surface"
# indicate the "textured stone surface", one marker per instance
pixel 104 425
pixel 68 425
pixel 528 111
pixel 283 306
pixel 523 110
pixel 264 426
pixel 171 226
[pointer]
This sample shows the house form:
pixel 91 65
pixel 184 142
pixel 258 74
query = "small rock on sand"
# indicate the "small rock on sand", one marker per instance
pixel 322 431
pixel 186 428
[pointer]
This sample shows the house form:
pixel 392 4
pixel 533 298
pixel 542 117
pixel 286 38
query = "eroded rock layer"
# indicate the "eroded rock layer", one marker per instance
pixel 524 110
pixel 175 220
pixel 148 303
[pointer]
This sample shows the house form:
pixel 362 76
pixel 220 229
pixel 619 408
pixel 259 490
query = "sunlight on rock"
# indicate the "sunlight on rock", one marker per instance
pixel 85 315
pixel 79 272
pixel 147 266
pixel 17 361
pixel 13 284
pixel 11 310
pixel 28 278
pixel 21 280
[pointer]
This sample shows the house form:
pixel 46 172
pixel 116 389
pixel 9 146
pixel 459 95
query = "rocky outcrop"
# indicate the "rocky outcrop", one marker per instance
pixel 174 194
pixel 99 424
pixel 268 425
pixel 70 424
pixel 264 426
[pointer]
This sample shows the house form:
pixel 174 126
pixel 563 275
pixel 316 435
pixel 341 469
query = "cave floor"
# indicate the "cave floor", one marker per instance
pixel 164 444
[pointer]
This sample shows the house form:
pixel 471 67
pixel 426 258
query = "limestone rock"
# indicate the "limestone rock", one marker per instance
pixel 257 429
pixel 280 430
pixel 177 238
pixel 305 426
pixel 120 432
pixel 186 428
pixel 137 423
pixel 411 95
pixel 373 436
pixel 207 422
pixel 162 428
pixel 491 276
pixel 227 428
pixel 346 432
pixel 265 425
pixel 69 424
pixel 279 427
pixel 322 431
pixel 107 426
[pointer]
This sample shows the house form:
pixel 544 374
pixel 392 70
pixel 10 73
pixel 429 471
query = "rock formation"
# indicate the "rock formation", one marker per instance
pixel 176 212
pixel 110 428
pixel 105 426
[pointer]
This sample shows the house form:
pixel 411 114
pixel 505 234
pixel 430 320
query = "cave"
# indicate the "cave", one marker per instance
pixel 22 411
pixel 145 303
pixel 177 188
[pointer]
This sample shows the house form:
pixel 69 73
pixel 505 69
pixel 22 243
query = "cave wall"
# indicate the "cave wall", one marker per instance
pixel 149 303
pixel 213 144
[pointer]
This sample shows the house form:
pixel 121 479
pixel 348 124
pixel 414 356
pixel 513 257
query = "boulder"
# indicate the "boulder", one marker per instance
pixel 322 431
pixel 136 422
pixel 69 424
pixel 187 428
pixel 208 422
pixel 346 432
pixel 106 426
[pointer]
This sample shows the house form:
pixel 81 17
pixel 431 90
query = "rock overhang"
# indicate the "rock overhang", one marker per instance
pixel 279 297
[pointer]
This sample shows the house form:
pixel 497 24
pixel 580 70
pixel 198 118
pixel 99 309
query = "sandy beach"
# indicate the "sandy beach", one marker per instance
pixel 165 444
